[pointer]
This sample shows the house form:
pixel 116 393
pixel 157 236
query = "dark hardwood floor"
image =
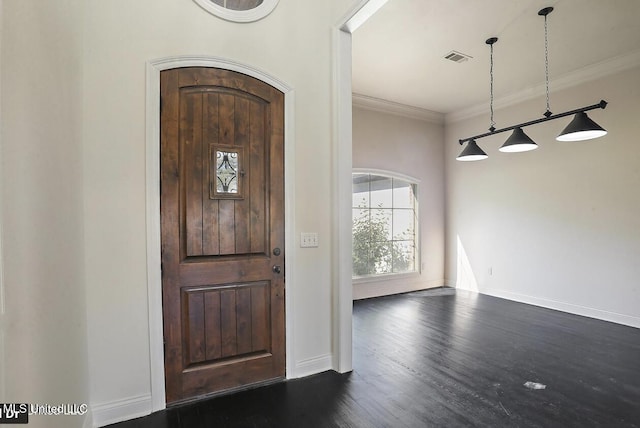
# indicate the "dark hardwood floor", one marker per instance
pixel 443 359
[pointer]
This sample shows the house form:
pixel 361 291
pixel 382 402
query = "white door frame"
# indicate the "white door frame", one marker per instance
pixel 154 275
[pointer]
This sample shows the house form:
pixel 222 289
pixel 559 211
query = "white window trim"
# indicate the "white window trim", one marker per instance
pixel 387 173
pixel 386 276
pixel 416 234
pixel 250 15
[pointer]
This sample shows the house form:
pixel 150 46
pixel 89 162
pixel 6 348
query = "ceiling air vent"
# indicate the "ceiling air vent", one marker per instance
pixel 456 56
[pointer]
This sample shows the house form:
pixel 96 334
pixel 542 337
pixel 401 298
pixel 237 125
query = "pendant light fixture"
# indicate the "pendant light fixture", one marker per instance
pixel 579 129
pixel 472 152
pixel 518 142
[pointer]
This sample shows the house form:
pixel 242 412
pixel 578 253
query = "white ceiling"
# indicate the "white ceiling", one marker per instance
pixel 398 54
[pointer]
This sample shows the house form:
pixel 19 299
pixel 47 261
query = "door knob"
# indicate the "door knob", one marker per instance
pixel 276 269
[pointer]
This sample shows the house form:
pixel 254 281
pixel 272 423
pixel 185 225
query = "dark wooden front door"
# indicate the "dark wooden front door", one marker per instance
pixel 222 219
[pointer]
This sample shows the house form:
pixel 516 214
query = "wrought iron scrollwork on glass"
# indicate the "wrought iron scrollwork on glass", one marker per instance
pixel 226 172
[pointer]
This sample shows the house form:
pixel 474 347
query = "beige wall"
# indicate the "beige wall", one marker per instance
pixel 558 226
pixel 416 148
pixel 44 327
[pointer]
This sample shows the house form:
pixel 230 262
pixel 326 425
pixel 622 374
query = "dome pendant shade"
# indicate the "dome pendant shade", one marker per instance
pixel 518 142
pixel 581 128
pixel 472 152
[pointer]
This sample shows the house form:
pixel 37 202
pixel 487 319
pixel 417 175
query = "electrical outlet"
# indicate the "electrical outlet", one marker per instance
pixel 308 240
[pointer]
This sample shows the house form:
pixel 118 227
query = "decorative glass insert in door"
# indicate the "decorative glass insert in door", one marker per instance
pixel 226 172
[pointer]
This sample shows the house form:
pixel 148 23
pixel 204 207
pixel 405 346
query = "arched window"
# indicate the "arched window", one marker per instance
pixel 385 212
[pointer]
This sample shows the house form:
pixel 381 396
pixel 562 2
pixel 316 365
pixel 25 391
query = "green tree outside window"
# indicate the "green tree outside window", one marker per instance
pixel 384 213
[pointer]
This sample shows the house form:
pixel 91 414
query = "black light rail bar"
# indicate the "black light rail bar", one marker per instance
pixel 602 104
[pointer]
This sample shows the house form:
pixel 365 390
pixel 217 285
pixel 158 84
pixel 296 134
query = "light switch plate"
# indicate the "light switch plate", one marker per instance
pixel 308 240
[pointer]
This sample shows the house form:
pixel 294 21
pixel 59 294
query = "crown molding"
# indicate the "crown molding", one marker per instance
pixel 383 106
pixel 586 74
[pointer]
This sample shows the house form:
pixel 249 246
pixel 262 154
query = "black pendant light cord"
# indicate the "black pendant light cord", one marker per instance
pixel 544 12
pixel 490 42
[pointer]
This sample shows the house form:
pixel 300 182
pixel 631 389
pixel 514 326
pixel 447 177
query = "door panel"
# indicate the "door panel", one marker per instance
pixel 222 213
pixel 223 322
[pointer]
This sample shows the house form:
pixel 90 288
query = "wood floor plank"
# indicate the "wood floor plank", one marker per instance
pixel 441 358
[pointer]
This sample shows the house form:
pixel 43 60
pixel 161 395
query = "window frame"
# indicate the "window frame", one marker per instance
pixel 250 15
pixel 417 241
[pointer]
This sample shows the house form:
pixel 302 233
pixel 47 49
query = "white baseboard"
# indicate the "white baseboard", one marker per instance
pixel 120 410
pixel 88 420
pixel 314 365
pixel 566 307
pixel 135 407
pixel 381 286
